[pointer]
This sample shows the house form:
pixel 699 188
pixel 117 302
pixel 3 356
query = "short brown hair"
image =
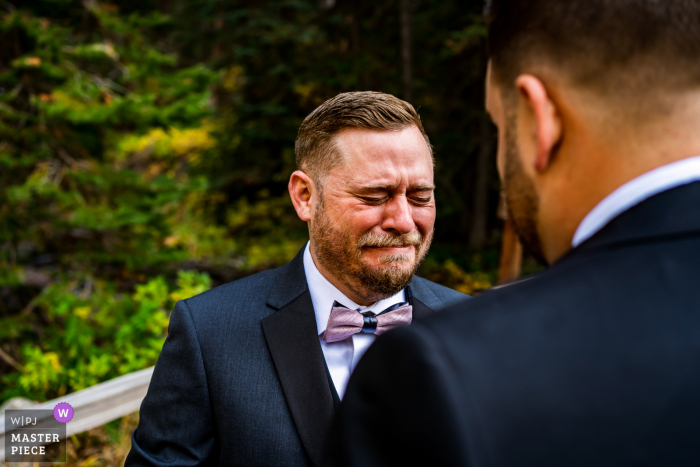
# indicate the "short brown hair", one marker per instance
pixel 634 47
pixel 316 153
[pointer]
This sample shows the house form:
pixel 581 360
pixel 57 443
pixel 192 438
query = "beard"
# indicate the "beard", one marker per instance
pixel 521 197
pixel 344 258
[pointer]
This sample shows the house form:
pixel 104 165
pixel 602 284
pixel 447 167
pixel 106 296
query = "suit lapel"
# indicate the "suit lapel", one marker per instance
pixel 291 337
pixel 417 295
pixel 420 309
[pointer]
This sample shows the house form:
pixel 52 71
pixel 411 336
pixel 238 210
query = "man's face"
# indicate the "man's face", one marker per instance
pixel 373 222
pixel 521 196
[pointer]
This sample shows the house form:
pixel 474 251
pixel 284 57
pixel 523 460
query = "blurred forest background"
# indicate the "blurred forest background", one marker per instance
pixel 146 145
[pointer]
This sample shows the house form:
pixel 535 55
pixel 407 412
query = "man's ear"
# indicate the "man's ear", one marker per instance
pixel 546 120
pixel 301 190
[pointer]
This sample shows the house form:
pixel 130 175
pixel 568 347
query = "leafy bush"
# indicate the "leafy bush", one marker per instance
pixel 108 159
pixel 90 332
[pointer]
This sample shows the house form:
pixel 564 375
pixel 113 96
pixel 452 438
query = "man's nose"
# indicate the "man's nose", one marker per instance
pixel 398 216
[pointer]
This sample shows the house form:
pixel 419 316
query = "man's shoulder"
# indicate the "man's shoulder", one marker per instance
pixel 437 295
pixel 243 294
pixel 572 302
pixel 512 307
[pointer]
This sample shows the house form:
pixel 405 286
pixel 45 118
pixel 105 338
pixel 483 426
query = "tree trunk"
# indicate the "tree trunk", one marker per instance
pixel 218 27
pixel 355 28
pixel 406 54
pixel 480 198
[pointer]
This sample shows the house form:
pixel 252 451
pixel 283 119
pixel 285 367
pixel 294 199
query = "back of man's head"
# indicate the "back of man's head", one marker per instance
pixel 620 48
pixel 588 95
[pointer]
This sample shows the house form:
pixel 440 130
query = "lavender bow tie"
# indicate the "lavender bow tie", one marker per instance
pixel 345 322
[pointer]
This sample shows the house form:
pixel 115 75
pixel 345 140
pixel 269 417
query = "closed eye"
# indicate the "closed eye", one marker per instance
pixel 420 200
pixel 370 200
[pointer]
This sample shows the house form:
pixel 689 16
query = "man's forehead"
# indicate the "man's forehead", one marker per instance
pixel 388 177
pixel 383 160
pixel 386 148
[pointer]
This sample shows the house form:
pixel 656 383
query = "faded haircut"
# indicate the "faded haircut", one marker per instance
pixel 632 47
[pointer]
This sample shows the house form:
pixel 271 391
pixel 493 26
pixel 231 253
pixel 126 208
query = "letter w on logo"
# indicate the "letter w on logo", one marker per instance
pixel 63 412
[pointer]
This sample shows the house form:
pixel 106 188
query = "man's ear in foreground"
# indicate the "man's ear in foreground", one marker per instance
pixel 539 123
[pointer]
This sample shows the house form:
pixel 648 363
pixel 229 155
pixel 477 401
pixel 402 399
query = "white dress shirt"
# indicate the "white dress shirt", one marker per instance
pixel 634 192
pixel 342 356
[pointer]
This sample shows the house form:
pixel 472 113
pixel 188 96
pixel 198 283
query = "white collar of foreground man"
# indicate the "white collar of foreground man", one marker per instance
pixel 634 192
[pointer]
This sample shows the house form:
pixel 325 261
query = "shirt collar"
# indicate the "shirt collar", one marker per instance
pixel 323 294
pixel 634 192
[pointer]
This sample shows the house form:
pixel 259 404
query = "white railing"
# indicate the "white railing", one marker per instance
pixel 96 405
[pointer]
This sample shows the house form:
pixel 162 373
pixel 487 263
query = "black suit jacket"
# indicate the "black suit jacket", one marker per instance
pixel 242 380
pixel 594 362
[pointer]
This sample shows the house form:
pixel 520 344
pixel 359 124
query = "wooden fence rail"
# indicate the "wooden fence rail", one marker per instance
pixel 97 404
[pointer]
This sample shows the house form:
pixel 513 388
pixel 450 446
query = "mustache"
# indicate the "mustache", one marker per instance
pixel 376 240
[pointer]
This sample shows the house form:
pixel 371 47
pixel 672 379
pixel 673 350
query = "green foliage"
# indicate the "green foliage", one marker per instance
pixel 145 147
pixel 74 171
pixel 91 333
pixel 109 159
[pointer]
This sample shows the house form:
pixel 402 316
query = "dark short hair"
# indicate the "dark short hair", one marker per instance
pixel 316 153
pixel 612 45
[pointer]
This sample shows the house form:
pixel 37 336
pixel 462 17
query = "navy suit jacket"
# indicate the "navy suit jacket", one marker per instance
pixel 594 362
pixel 242 380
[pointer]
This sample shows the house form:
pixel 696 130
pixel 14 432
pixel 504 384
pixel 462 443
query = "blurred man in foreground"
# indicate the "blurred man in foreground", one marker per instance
pixel 595 361
pixel 251 372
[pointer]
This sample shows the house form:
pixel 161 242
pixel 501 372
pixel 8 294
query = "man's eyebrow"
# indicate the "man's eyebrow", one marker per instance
pixel 376 187
pixel 421 188
pixel 388 187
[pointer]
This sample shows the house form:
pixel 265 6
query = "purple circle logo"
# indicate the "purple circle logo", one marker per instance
pixel 63 412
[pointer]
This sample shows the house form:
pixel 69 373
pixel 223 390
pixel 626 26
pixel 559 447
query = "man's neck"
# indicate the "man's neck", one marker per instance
pixel 597 159
pixel 347 290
